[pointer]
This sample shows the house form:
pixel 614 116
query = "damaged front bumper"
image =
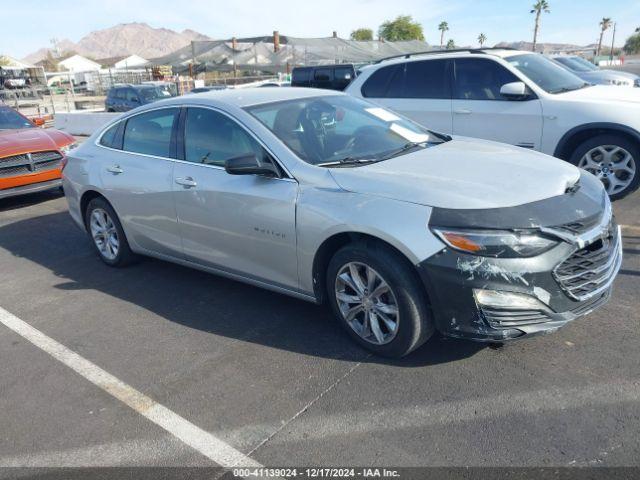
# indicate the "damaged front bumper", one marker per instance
pixel 499 299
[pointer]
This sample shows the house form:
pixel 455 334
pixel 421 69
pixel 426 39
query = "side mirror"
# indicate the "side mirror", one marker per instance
pixel 135 100
pixel 514 91
pixel 250 165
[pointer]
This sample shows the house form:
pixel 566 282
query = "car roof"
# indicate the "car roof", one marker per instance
pixel 246 97
pixel 444 54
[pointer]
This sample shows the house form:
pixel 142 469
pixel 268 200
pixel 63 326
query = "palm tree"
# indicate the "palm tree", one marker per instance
pixel 604 26
pixel 443 27
pixel 481 39
pixel 538 7
pixel 451 44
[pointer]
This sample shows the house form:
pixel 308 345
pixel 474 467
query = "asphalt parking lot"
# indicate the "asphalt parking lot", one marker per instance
pixel 276 379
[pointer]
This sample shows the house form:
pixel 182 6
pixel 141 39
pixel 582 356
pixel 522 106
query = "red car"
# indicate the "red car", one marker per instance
pixel 30 157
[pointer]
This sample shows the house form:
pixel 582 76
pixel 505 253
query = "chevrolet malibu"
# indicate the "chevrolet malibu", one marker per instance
pixel 329 198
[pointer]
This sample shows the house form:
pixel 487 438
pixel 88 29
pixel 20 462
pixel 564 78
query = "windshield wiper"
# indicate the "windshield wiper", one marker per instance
pixel 405 148
pixel 347 161
pixel 567 89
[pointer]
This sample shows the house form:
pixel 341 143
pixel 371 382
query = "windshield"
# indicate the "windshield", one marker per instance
pixel 576 64
pixel 11 120
pixel 150 94
pixel 546 74
pixel 342 130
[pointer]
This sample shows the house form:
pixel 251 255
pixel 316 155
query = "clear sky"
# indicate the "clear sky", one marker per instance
pixel 29 24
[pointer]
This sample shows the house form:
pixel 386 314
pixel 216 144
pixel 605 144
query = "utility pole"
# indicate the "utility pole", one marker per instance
pixel 613 42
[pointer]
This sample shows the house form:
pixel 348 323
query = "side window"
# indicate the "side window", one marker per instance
pixel 108 138
pixel 344 74
pixel 478 79
pixel 377 84
pixel 323 75
pixel 119 94
pixel 301 75
pixel 427 79
pixel 150 132
pixel 212 138
pixel 132 95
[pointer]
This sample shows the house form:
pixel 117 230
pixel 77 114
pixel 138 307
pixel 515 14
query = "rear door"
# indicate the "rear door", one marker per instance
pixel 136 173
pixel 242 224
pixel 479 110
pixel 420 90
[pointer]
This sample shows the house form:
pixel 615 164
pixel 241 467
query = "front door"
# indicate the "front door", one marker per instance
pixel 243 224
pixel 480 111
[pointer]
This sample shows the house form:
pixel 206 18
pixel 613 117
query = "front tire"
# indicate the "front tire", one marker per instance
pixel 379 299
pixel 106 234
pixel 612 158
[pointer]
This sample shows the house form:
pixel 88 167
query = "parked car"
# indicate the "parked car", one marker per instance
pixel 332 199
pixel 170 89
pixel 30 157
pixel 588 72
pixel 123 98
pixel 516 97
pixel 332 77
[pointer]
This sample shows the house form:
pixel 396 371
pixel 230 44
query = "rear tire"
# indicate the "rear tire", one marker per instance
pixel 612 158
pixel 368 310
pixel 106 234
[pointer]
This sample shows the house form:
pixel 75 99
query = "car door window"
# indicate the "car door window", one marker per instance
pixel 426 79
pixel 477 79
pixel 109 138
pixel 132 96
pixel 150 133
pixel 212 138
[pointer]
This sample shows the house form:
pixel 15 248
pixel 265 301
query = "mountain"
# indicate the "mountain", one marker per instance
pixel 124 39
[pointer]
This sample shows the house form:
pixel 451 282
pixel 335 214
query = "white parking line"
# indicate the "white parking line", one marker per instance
pixel 200 440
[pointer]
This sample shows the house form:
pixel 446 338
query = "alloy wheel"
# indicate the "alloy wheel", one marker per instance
pixel 104 234
pixel 613 165
pixel 367 303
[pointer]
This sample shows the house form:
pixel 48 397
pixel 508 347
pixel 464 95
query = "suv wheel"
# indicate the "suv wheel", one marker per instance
pixel 107 236
pixel 378 299
pixel 614 160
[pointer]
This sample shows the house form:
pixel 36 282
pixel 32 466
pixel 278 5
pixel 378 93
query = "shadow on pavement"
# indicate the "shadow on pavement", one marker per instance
pixel 203 301
pixel 21 201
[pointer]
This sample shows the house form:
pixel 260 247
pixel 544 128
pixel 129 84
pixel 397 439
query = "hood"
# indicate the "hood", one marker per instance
pixel 463 173
pixel 604 75
pixel 603 93
pixel 15 142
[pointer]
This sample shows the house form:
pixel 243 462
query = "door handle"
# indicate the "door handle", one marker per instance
pixel 187 182
pixel 115 169
pixel 462 111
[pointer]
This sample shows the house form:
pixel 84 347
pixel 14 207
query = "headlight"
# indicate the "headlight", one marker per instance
pixel 67 148
pixel 496 243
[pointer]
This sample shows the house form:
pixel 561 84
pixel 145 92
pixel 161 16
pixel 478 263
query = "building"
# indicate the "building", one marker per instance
pixel 124 62
pixel 78 63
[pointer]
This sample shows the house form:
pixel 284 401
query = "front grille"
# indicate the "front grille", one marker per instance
pixel 23 164
pixel 591 269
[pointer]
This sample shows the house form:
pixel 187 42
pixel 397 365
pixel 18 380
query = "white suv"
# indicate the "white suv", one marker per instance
pixel 515 97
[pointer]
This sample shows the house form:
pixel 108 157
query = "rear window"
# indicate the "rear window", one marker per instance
pixel 301 75
pixel 108 138
pixel 323 75
pixel 377 84
pixel 150 133
pixel 425 79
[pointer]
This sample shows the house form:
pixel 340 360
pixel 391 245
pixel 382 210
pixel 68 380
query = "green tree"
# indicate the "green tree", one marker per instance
pixel 538 7
pixel 451 44
pixel 402 28
pixel 443 27
pixel 632 45
pixel 605 23
pixel 362 34
pixel 4 61
pixel 481 39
